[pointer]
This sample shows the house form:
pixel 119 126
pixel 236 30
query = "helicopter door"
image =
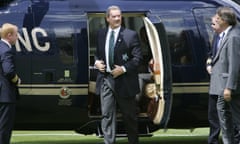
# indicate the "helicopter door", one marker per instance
pixel 160 90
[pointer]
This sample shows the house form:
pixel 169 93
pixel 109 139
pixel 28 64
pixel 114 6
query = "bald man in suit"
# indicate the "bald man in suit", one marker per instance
pixel 8 81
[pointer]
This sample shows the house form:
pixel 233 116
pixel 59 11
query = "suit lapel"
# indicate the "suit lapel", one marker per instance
pixel 119 39
pixel 222 44
pixel 221 47
pixel 104 38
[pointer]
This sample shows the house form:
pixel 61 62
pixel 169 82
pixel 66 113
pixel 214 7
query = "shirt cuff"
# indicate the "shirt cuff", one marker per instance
pixel 209 61
pixel 124 69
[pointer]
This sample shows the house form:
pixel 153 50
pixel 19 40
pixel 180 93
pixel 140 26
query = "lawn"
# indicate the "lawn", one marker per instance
pixel 171 136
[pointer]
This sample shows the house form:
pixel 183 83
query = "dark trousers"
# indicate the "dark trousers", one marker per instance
pixel 235 108
pixel 7 114
pixel 229 119
pixel 225 120
pixel 127 106
pixel 213 120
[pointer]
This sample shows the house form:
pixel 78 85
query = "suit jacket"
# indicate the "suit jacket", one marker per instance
pixel 226 64
pixel 127 53
pixel 8 90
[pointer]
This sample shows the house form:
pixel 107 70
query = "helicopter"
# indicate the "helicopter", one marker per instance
pixel 55 60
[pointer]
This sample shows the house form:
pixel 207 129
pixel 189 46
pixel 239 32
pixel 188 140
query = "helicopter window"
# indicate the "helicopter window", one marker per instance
pixel 203 18
pixel 180 39
pixel 65 50
pixel 181 50
pixel 64 42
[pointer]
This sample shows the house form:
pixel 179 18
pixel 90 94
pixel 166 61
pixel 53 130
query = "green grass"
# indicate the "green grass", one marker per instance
pixel 171 136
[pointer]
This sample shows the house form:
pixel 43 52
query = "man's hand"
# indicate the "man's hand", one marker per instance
pixel 227 95
pixel 100 65
pixel 19 81
pixel 209 69
pixel 117 71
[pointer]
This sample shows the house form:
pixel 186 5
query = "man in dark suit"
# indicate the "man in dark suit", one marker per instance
pixel 8 81
pixel 225 73
pixel 117 80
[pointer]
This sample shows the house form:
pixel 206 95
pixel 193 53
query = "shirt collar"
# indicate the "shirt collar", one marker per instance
pixel 5 41
pixel 224 33
pixel 116 30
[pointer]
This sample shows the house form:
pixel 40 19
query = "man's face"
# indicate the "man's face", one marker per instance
pixel 115 18
pixel 215 25
pixel 13 37
pixel 218 24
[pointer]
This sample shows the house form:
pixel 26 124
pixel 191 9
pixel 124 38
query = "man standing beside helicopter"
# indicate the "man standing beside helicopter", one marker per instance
pixel 225 69
pixel 118 57
pixel 8 81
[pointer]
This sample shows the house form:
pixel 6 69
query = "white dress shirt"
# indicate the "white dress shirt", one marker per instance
pixel 116 32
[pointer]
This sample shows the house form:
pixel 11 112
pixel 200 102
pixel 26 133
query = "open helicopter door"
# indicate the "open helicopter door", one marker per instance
pixel 160 91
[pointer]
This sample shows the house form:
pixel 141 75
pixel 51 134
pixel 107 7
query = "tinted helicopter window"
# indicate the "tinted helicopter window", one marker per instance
pixel 95 23
pixel 64 42
pixel 180 34
pixel 203 18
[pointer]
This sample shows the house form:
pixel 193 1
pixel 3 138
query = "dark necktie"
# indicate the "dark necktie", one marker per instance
pixel 111 50
pixel 215 44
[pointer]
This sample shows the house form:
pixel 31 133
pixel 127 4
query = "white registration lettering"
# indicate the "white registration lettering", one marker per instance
pixel 24 39
pixel 35 40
